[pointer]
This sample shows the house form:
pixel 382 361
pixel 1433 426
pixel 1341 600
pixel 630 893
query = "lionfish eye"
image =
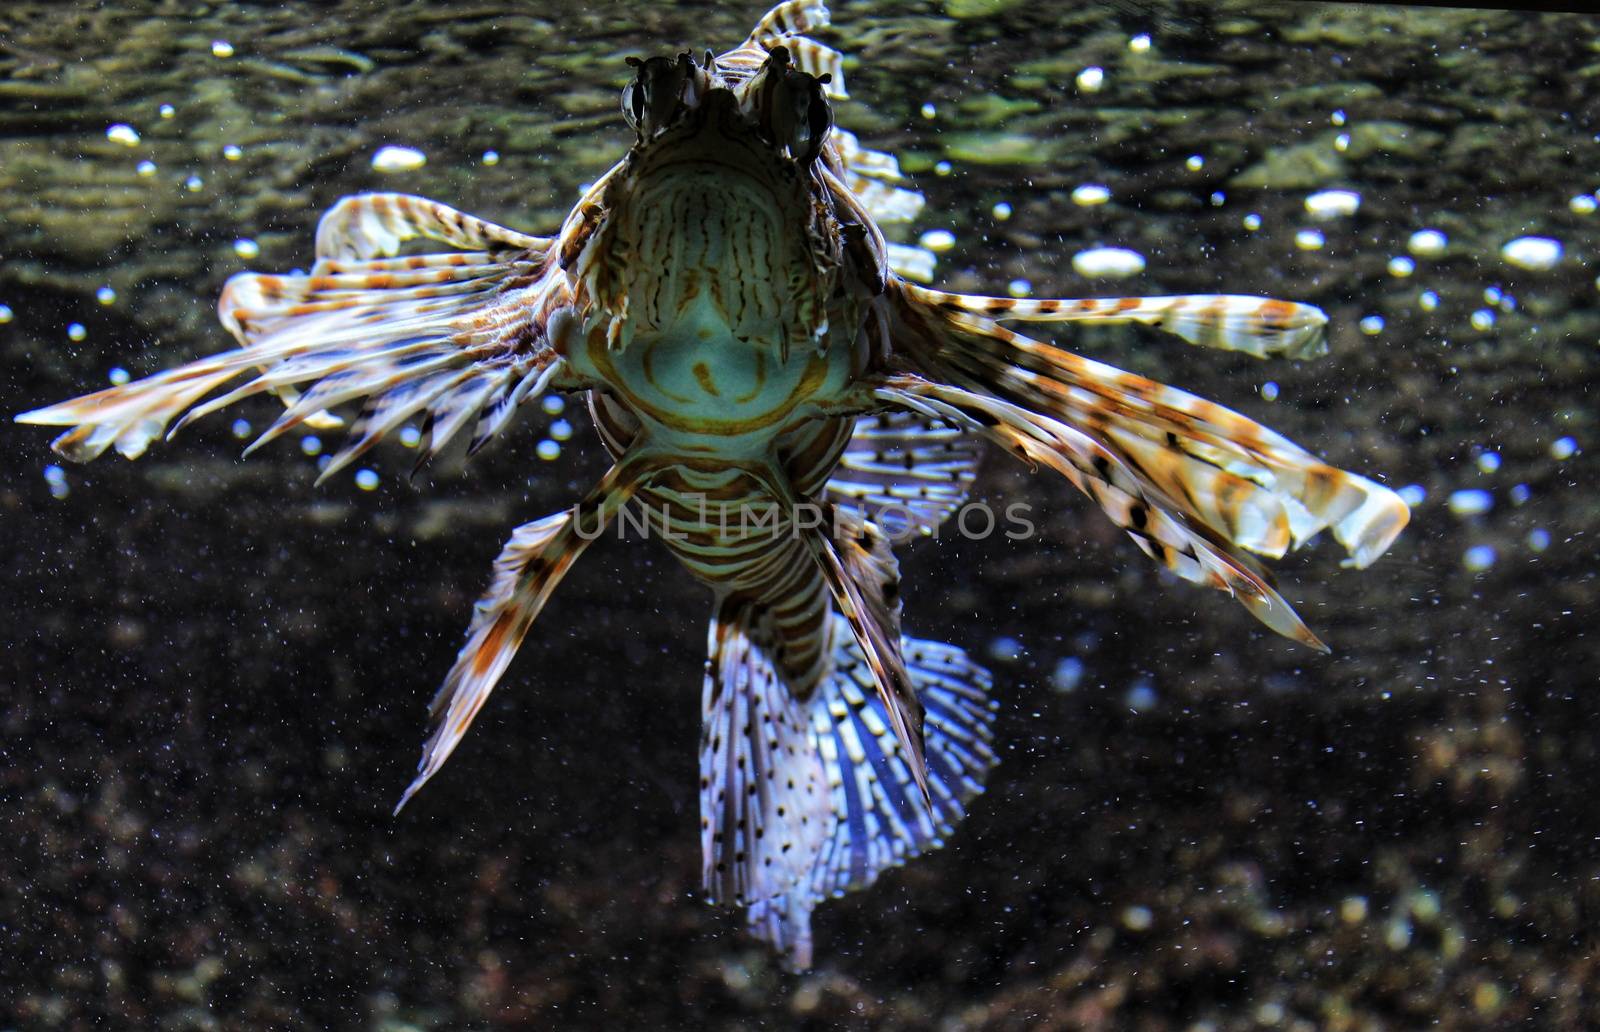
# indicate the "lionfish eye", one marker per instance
pixel 633 105
pixel 810 116
pixel 658 92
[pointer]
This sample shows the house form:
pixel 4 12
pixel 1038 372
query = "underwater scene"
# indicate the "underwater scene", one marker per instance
pixel 1151 564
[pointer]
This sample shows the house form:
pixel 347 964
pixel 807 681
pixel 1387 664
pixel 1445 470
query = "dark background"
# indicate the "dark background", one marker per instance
pixel 215 676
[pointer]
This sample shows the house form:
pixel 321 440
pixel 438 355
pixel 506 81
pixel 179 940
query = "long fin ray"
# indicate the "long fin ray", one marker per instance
pixel 1158 525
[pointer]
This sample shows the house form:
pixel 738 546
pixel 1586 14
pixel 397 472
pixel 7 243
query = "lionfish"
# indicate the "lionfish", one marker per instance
pixel 749 343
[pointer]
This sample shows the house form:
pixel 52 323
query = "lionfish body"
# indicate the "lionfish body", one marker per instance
pixel 773 391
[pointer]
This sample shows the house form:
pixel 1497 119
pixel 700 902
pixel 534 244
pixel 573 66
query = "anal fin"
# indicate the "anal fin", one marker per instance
pixel 879 820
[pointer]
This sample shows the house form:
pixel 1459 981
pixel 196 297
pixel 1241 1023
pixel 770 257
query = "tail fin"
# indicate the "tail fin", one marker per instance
pixel 879 818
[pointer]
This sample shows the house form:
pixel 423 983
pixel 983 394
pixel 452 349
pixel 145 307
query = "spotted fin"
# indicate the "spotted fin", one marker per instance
pixel 450 337
pixel 880 820
pixel 526 574
pixel 905 472
pixel 764 808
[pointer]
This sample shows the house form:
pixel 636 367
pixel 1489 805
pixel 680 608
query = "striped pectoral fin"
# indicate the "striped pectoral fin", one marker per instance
pixel 1251 486
pixel 445 341
pixel 526 573
pixel 1257 326
pixel 905 471
pixel 1164 528
pixel 372 225
pixel 864 578
pixel 881 821
pixel 764 808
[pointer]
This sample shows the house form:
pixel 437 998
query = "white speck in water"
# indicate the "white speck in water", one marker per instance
pixel 1341 143
pixel 553 404
pixel 942 168
pixel 410 437
pixel 1091 79
pixel 1538 539
pixel 1005 649
pixel 1252 221
pixel 490 157
pixel 398 159
pixel 1111 262
pixel 1309 239
pixel 106 295
pixel 1428 300
pixel 193 184
pixel 1140 43
pixel 1583 204
pixel 1400 266
pixel 244 247
pixel 1141 697
pixel 1337 118
pixel 6 314
pixel 1489 461
pixel 1137 919
pixel 1333 204
pixel 547 450
pixel 1269 391
pixel 561 430
pixel 233 152
pixel 1492 294
pixel 1478 558
pixel 367 479
pixel 1218 198
pixel 1565 448
pixel 167 111
pixel 76 331
pixel 1019 288
pixel 1194 162
pixel 1427 243
pixel 146 168
pixel 1472 502
pixel 56 477
pixel 937 240
pixel 1534 253
pixel 1090 194
pixel 1413 494
pixel 1520 494
pixel 311 444
pixel 241 428
pixel 929 111
pixel 1067 675
pixel 221 48
pixel 1001 211
pixel 1483 319
pixel 124 134
pixel 118 376
pixel 1372 325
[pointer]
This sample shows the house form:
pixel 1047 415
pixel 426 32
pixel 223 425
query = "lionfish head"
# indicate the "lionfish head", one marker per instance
pixel 781 105
pixel 718 211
